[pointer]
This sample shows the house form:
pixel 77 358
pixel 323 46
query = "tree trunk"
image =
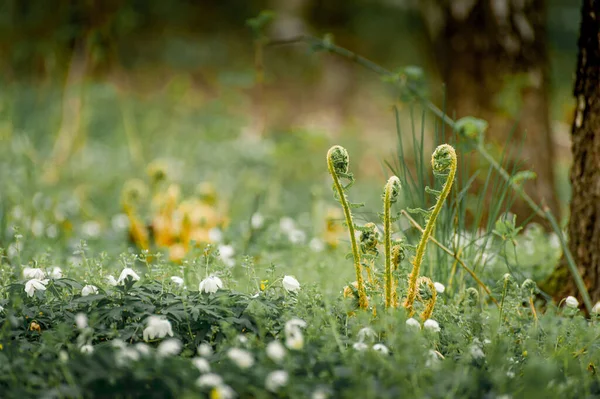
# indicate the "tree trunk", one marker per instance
pixel 493 58
pixel 584 223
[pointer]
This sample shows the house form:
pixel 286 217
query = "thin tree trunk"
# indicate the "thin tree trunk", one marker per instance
pixel 584 223
pixel 493 58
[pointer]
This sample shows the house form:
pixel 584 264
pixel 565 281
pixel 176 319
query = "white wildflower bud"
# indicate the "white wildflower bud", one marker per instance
pixel 572 302
pixel 360 346
pixel 241 357
pixel 209 380
pixel 275 351
pixel 205 350
pixel 290 284
pixel 201 364
pixel 170 347
pixel 276 380
pixel 413 323
pixel 431 325
pixel 81 321
pixel 381 348
pixel 439 287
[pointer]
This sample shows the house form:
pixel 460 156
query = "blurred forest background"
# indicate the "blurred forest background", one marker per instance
pixel 511 62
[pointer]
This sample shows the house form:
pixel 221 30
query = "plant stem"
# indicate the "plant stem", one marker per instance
pixel 387 237
pixel 362 295
pixel 414 274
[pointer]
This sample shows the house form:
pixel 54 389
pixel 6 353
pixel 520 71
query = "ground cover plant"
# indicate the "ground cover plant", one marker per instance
pixel 232 267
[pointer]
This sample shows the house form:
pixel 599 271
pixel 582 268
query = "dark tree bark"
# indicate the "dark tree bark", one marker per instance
pixel 492 56
pixel 584 223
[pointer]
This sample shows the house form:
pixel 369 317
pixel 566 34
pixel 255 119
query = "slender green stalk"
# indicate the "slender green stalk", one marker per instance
pixel 443 158
pixel 337 163
pixel 431 302
pixel 332 48
pixel 390 195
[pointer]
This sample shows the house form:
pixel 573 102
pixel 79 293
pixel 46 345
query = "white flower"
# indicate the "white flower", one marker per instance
pixel 56 272
pixel 296 236
pixel 209 380
pixel 81 321
pixel 169 347
pixel 226 253
pixel 177 280
pixel 276 380
pixel 242 339
pixel 476 352
pixel 294 340
pixel 257 221
pixel 32 273
pixel 320 393
pixel 224 392
pixel 1 309
pixel 432 325
pixel 360 346
pixel 119 222
pixel 215 235
pixel 290 284
pixel 111 280
pixel 34 285
pixel 37 227
pixel 596 308
pixel 381 348
pixel 201 364
pixel 241 357
pixel 127 272
pixel 413 323
pixel 293 335
pixel 316 245
pixel 63 356
pixel 52 231
pixel 439 287
pixel 126 355
pixel 210 285
pixel 275 351
pixel 205 350
pixel 89 289
pixel 287 224
pixel 294 324
pixel 142 348
pixel 91 229
pixel 366 333
pixel 572 302
pixel 87 349
pixel 157 327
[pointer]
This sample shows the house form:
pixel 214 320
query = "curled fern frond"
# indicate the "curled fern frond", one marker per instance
pixel 338 163
pixel 443 161
pixel 390 196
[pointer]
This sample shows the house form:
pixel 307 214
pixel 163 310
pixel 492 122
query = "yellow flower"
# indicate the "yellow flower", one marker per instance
pixel 263 285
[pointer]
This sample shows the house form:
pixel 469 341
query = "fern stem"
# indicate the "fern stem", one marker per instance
pixel 362 294
pixel 391 191
pixel 442 150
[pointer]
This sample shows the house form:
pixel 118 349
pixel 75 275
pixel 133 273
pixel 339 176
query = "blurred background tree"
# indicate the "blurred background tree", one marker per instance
pixel 493 57
pixel 584 229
